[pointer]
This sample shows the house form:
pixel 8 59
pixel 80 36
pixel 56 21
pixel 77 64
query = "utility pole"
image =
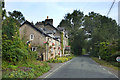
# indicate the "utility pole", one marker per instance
pixel 119 13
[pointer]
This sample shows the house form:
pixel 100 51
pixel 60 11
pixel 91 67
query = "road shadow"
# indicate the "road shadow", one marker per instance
pixel 86 55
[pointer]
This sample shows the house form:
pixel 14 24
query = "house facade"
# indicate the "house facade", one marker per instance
pixel 44 38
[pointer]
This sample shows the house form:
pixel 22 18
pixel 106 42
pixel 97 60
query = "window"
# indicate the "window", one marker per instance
pixel 31 36
pixel 34 48
pixel 54 31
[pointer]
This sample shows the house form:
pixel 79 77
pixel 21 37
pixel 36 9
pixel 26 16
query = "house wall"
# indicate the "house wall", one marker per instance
pixel 57 44
pixel 25 32
pixel 51 51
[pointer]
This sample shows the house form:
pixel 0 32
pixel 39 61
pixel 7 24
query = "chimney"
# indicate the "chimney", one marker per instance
pixel 50 21
pixel 47 17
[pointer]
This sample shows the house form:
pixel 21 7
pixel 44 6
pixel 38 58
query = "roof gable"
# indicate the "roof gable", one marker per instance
pixel 27 22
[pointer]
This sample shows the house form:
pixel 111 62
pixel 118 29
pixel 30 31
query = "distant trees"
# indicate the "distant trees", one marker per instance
pixel 92 32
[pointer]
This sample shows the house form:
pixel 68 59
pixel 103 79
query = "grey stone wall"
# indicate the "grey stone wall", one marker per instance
pixel 26 30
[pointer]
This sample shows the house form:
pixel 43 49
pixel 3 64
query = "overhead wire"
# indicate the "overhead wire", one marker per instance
pixel 110 8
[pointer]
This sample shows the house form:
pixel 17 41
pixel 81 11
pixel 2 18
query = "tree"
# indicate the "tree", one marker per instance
pixel 89 30
pixel 17 15
pixel 13 49
pixel 72 23
pixel 10 27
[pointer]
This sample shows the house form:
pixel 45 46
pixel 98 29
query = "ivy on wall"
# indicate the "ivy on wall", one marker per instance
pixel 62 42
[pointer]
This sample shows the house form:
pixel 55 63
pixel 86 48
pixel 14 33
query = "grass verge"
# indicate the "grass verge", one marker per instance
pixel 104 63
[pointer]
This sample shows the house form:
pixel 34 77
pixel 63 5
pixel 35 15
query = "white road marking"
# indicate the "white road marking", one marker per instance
pixel 58 68
pixel 116 76
pixel 109 72
pixel 104 69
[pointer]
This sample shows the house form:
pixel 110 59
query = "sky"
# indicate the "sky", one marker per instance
pixel 34 10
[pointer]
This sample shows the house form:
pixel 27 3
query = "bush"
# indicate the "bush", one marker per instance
pixel 106 49
pixel 113 57
pixel 60 59
pixel 16 50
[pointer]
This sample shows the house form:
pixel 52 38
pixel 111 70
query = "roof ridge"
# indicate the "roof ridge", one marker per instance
pixel 33 26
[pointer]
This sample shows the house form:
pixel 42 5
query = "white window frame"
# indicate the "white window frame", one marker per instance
pixel 31 37
pixel 33 48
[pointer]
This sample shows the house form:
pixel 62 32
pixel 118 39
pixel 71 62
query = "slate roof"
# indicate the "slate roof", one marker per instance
pixel 27 22
pixel 52 26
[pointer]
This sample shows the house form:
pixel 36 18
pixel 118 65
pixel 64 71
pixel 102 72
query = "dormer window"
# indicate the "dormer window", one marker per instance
pixel 31 36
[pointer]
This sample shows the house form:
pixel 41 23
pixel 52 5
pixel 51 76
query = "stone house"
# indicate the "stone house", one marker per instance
pixel 33 36
pixel 37 38
pixel 43 37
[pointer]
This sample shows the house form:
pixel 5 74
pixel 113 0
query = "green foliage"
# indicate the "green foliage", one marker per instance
pixel 33 69
pixel 114 65
pixel 83 51
pixel 101 29
pixel 103 51
pixel 112 58
pixel 72 22
pixel 16 50
pixel 17 15
pixel 10 28
pixel 118 44
pixel 106 50
pixel 96 28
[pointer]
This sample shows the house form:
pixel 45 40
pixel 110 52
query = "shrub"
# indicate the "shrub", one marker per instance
pixel 112 58
pixel 60 59
pixel 16 50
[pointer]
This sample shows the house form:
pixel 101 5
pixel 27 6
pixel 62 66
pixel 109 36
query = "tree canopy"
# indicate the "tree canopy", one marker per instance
pixel 17 15
pixel 85 31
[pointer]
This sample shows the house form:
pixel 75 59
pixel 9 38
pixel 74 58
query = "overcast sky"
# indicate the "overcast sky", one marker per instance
pixel 39 10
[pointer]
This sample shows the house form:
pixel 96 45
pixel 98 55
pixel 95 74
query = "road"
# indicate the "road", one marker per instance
pixel 81 67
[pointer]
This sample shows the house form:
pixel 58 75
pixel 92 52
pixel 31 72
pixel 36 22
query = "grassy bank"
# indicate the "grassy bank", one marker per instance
pixel 107 64
pixel 30 69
